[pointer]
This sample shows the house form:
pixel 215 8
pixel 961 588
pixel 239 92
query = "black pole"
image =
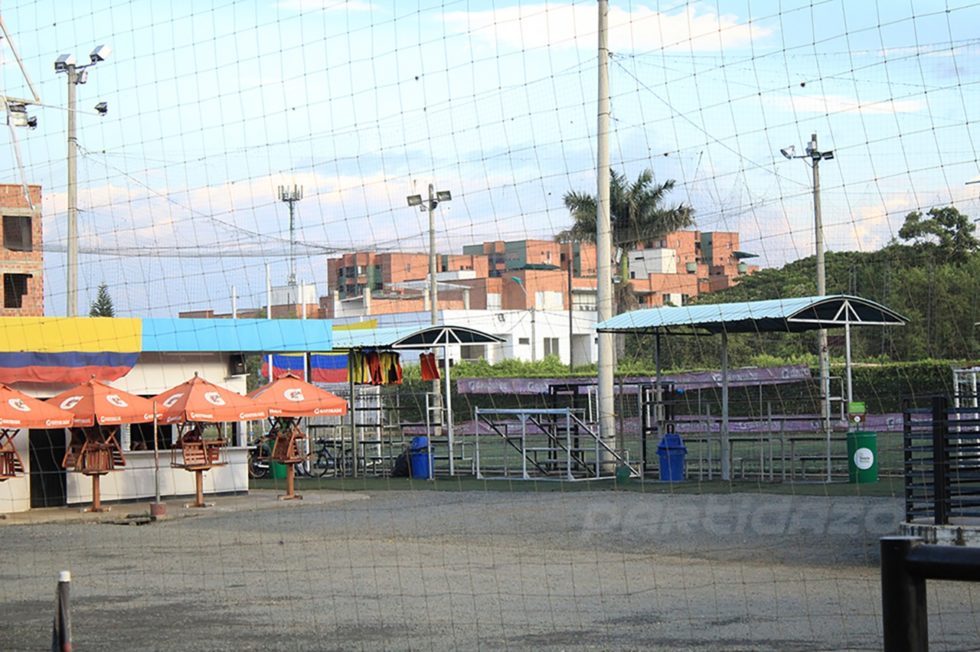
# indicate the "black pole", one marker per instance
pixel 61 627
pixel 903 598
pixel 940 461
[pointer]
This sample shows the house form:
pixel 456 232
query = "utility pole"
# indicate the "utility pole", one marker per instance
pixel 76 75
pixel 434 198
pixel 606 362
pixel 823 353
pixel 814 156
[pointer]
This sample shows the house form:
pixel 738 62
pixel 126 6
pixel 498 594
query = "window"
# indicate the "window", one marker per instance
pixel 17 233
pixel 14 289
pixel 524 341
pixel 551 346
pixel 472 351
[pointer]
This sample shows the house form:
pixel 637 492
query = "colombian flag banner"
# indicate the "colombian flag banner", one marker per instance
pixel 68 349
pixel 328 367
pixel 284 363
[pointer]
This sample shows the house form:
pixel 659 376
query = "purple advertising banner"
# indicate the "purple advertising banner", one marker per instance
pixel 749 376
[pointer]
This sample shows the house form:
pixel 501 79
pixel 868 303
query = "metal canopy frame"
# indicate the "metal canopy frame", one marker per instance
pixel 426 337
pixel 793 315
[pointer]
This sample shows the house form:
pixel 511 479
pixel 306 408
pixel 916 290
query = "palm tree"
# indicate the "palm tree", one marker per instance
pixel 637 214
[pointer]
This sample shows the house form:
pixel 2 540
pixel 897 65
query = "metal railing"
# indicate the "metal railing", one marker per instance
pixel 942 461
pixel 906 564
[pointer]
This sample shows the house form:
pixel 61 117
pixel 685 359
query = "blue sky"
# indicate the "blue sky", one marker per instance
pixel 212 105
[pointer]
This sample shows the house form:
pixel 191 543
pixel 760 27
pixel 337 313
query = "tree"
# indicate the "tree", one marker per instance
pixel 637 214
pixel 102 306
pixel 946 230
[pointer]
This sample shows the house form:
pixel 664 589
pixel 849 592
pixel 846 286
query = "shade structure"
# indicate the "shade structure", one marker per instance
pixel 18 410
pixel 94 403
pixel 199 400
pixel 290 396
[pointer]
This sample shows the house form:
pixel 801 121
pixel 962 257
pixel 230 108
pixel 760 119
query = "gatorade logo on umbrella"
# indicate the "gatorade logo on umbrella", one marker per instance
pixel 70 402
pixel 114 399
pixel 170 402
pixel 18 404
pixel 295 395
pixel 214 398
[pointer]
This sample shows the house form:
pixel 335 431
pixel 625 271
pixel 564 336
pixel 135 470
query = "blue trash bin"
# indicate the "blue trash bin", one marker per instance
pixel 419 458
pixel 673 455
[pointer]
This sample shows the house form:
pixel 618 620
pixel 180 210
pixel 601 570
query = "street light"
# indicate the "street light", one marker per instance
pixel 814 156
pixel 76 74
pixel 434 199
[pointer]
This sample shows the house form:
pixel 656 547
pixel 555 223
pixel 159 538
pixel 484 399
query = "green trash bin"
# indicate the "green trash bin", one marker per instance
pixel 862 456
pixel 277 470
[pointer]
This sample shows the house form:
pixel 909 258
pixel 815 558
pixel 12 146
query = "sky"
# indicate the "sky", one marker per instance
pixel 214 105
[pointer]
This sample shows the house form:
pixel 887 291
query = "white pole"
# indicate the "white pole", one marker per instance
pixel 234 302
pixel 606 362
pixel 268 309
pixel 726 449
pixel 156 455
pixel 449 409
pixel 72 261
pixel 847 353
pixel 821 291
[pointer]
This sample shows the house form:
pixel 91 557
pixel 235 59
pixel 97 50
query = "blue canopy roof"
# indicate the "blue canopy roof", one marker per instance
pixel 237 335
pixel 774 315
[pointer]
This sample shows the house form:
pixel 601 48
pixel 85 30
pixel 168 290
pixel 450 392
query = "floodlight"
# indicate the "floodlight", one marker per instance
pixel 414 200
pixel 102 108
pixel 100 53
pixel 788 152
pixel 16 115
pixel 32 121
pixel 828 155
pixel 444 195
pixel 62 62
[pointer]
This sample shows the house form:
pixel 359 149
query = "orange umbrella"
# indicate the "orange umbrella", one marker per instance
pixel 96 403
pixel 18 410
pixel 198 400
pixel 290 396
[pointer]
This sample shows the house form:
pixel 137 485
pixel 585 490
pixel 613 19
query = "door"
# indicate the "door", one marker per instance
pixel 47 448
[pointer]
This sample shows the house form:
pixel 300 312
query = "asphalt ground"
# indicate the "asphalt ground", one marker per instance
pixel 468 569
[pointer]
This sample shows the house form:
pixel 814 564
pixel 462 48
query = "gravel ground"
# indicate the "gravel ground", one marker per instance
pixel 472 570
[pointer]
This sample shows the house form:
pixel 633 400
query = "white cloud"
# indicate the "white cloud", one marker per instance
pixel 565 26
pixel 834 104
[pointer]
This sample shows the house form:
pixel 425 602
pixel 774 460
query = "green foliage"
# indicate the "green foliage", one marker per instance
pixel 102 306
pixel 940 298
pixel 637 214
pixel 549 367
pixel 946 233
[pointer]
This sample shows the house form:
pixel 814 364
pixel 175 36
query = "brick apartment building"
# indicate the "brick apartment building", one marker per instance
pixel 22 258
pixel 514 275
pixel 684 264
pixel 525 274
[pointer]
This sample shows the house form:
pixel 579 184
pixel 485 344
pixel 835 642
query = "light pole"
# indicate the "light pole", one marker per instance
pixel 534 305
pixel 814 156
pixel 430 205
pixel 76 74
